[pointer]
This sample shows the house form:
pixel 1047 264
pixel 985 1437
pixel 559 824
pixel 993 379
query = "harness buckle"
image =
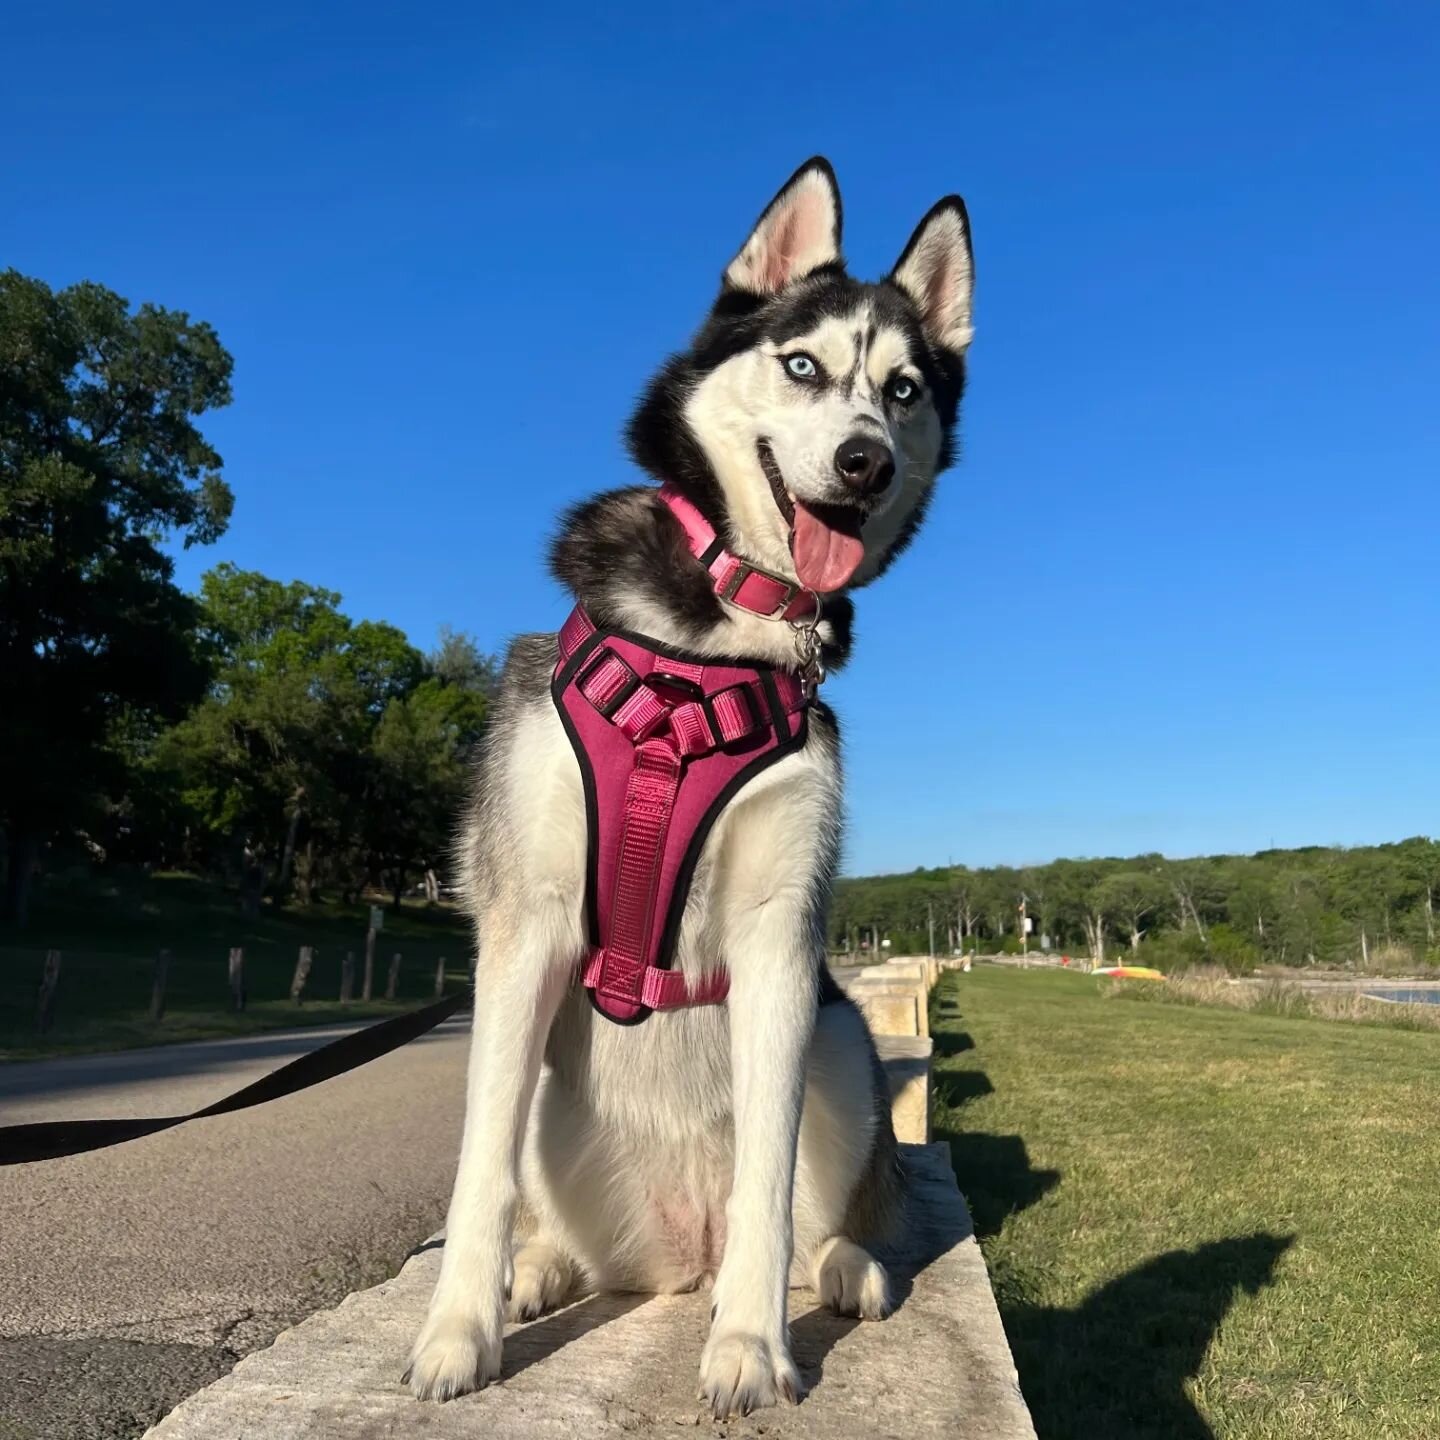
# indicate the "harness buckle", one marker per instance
pixel 609 704
pixel 689 689
pixel 755 720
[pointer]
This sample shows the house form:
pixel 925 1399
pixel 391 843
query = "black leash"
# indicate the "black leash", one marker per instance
pixel 50 1139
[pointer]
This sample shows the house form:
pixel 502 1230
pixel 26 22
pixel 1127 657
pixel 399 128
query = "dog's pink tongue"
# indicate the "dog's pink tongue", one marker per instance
pixel 824 558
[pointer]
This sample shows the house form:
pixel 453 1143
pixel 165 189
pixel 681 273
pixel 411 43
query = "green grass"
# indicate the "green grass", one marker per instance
pixel 109 931
pixel 1200 1223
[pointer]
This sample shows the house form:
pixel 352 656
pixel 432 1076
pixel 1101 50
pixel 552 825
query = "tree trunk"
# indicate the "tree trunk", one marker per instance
pixel 1095 938
pixel 1364 950
pixel 1429 915
pixel 23 851
pixel 399 885
pixel 287 856
pixel 305 874
pixel 1134 940
pixel 1195 915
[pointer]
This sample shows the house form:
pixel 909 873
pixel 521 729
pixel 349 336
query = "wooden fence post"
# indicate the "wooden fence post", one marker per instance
pixel 347 978
pixel 368 984
pixel 237 978
pixel 393 979
pixel 49 982
pixel 157 986
pixel 440 977
pixel 302 973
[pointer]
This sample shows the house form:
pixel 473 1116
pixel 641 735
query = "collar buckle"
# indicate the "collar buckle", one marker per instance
pixel 742 572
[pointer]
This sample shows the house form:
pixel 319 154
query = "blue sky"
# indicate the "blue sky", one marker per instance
pixel 1180 594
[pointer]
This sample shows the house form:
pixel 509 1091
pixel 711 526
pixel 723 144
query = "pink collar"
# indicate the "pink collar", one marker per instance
pixel 734 579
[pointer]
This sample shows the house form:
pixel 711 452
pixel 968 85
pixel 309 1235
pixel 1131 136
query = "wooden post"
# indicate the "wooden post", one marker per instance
pixel 302 973
pixel 393 979
pixel 368 984
pixel 237 978
pixel 49 981
pixel 440 977
pixel 157 986
pixel 347 978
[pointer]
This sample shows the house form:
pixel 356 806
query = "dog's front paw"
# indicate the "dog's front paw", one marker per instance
pixel 452 1356
pixel 740 1373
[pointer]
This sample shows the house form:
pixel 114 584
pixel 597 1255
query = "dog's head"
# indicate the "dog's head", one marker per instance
pixel 812 412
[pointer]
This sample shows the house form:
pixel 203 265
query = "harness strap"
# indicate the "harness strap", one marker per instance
pixel 669 719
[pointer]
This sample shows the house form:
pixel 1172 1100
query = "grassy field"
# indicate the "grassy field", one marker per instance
pixel 108 933
pixel 1276 996
pixel 1202 1224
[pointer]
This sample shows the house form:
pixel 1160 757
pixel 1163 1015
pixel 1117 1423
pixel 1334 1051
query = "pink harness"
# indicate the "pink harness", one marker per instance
pixel 664 740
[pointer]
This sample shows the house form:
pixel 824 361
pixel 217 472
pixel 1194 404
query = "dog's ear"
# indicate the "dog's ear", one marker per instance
pixel 937 271
pixel 799 232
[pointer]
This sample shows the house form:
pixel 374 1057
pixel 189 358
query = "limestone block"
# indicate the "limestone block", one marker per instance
pixel 624 1367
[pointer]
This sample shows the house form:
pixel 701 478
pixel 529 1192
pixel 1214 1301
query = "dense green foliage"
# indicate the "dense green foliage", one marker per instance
pixel 100 462
pixel 328 751
pixel 1372 906
pixel 1200 1224
pixel 253 731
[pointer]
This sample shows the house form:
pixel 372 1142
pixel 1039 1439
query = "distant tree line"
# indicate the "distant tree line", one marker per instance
pixel 1367 906
pixel 252 730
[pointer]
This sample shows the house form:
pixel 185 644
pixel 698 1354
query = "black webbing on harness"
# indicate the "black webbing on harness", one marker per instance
pixel 50 1139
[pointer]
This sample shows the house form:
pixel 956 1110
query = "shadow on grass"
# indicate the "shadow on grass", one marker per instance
pixel 995 1176
pixel 954 1088
pixel 949 1042
pixel 1116 1365
pixel 993 1172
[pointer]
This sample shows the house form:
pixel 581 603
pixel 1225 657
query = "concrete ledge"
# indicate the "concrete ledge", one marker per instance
pixel 626 1365
pixel 903 967
pixel 894 1002
pixel 890 1010
pixel 906 1059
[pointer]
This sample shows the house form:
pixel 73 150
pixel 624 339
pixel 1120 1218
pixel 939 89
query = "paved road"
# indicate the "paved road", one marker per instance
pixel 130 1277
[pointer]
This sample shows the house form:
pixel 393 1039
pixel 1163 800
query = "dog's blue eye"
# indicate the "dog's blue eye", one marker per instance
pixel 801 366
pixel 904 391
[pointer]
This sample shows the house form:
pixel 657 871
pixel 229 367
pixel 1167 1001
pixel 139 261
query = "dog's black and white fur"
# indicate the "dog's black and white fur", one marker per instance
pixel 746 1145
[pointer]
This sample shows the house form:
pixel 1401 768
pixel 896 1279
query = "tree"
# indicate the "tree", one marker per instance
pixel 281 738
pixel 967 897
pixel 459 661
pixel 1192 883
pixel 100 462
pixel 1035 882
pixel 419 750
pixel 1420 858
pixel 319 729
pixel 1079 900
pixel 1299 906
pixel 1131 896
pixel 1253 903
pixel 1001 900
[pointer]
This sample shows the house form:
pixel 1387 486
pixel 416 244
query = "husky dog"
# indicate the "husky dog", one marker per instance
pixel 745 1145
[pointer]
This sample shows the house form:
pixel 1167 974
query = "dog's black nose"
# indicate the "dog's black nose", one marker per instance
pixel 866 466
